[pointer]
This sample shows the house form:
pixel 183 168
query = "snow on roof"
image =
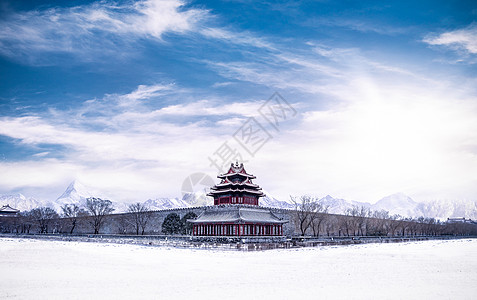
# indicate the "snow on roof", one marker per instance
pixel 8 209
pixel 229 190
pixel 237 214
pixel 236 169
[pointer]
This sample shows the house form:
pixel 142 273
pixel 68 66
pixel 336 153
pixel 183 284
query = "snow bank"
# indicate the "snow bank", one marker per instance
pixel 75 270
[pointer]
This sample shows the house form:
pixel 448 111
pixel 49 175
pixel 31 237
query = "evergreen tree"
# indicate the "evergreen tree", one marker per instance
pixel 186 226
pixel 172 224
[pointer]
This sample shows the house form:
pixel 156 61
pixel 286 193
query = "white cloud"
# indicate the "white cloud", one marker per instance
pixel 357 25
pixel 462 39
pixel 238 38
pixel 370 128
pixel 94 30
pixel 209 108
pixel 380 139
pixel 143 92
pixel 126 151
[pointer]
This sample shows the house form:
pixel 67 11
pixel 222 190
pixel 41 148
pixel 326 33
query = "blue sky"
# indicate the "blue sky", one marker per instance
pixel 131 97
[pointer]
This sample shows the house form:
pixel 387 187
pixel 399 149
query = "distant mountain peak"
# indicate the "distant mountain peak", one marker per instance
pixel 75 193
pixel 398 203
pixel 78 188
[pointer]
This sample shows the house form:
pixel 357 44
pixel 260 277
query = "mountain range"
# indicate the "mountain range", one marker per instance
pixel 398 203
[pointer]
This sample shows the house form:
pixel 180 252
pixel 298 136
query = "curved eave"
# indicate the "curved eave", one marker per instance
pixel 223 176
pixel 236 184
pixel 217 192
pixel 237 220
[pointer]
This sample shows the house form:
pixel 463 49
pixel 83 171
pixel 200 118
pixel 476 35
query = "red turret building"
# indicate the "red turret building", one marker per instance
pixel 236 211
pixel 236 187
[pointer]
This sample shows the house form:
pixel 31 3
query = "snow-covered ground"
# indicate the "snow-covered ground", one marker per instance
pixel 37 269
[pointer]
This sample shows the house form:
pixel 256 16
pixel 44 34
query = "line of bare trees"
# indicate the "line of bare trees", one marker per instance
pixel 93 214
pixel 311 218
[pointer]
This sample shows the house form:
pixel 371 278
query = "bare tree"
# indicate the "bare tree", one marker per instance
pixel 345 223
pixel 98 208
pixel 305 207
pixel 318 217
pixel 379 223
pixel 123 222
pixel 26 220
pixel 394 223
pixel 330 224
pixel 361 215
pixel 43 215
pixel 73 211
pixel 354 220
pixel 140 214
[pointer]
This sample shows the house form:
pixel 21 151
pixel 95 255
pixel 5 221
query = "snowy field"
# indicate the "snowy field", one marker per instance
pixel 37 269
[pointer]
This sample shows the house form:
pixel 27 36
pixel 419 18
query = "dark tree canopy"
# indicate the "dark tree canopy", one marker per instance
pixel 186 226
pixel 172 224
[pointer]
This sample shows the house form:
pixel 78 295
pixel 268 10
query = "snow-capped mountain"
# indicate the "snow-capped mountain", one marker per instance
pixel 398 203
pixel 339 206
pixel 405 206
pixel 270 201
pixel 19 201
pixel 449 209
pixel 197 199
pixel 188 200
pixel 77 193
pixel 165 203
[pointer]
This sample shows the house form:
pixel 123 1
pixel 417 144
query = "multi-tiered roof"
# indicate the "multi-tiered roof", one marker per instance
pixel 236 211
pixel 236 187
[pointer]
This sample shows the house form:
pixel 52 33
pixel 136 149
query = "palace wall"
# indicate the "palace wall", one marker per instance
pixel 124 224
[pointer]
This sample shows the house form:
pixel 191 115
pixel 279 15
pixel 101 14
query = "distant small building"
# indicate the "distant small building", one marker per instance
pixel 460 221
pixel 236 211
pixel 7 211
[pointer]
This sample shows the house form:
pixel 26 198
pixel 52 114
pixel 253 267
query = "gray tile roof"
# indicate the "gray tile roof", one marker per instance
pixel 237 214
pixel 8 209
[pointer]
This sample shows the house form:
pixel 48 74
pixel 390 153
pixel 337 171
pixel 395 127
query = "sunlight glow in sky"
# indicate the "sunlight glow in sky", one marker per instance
pixel 131 97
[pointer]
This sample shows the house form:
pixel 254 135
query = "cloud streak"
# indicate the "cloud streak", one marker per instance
pixel 119 143
pixel 93 31
pixel 463 40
